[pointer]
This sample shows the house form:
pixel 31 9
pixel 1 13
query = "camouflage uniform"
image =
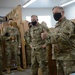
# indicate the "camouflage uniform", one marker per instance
pixel 1 55
pixel 63 48
pixel 38 54
pixel 28 55
pixel 28 50
pixel 12 42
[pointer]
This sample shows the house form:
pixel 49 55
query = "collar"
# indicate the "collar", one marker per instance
pixel 60 22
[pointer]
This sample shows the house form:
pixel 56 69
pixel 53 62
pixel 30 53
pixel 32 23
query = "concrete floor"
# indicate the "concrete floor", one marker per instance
pixel 26 72
pixel 72 74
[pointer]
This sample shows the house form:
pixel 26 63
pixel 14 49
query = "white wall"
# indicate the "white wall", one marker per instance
pixel 29 12
pixel 39 12
pixel 70 11
pixel 4 11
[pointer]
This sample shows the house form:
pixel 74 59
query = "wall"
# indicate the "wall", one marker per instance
pixel 29 12
pixel 70 11
pixel 41 11
pixel 4 11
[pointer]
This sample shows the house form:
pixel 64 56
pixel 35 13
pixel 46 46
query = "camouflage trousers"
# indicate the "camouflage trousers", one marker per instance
pixel 65 67
pixel 28 55
pixel 39 58
pixel 12 49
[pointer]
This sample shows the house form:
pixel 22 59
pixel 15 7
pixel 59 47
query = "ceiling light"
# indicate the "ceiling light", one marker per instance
pixel 28 3
pixel 70 2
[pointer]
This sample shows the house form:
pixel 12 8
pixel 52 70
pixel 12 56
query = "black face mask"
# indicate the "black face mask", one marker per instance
pixel 34 23
pixel 57 16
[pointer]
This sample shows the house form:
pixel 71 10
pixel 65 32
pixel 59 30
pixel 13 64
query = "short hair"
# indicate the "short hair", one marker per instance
pixel 61 8
pixel 10 19
pixel 35 16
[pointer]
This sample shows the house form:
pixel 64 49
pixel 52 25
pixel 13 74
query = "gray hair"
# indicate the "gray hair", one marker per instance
pixel 61 8
pixel 35 16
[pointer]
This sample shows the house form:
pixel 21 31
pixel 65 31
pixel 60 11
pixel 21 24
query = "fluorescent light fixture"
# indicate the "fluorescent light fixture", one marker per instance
pixel 28 3
pixel 70 2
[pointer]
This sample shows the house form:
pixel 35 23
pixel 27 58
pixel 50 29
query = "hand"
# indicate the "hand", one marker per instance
pixel 44 46
pixel 44 34
pixel 19 46
pixel 30 46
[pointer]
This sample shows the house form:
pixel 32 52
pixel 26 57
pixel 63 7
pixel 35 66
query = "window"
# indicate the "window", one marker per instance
pixel 46 19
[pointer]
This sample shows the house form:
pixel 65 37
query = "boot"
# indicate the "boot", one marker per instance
pixel 19 68
pixel 8 70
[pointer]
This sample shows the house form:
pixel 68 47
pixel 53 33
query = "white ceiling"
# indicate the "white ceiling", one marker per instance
pixel 36 4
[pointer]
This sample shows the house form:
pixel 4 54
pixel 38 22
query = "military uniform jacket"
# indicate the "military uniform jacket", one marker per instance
pixel 34 36
pixel 63 46
pixel 14 35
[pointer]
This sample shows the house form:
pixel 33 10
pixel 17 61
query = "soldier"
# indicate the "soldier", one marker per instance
pixel 62 41
pixel 38 52
pixel 13 44
pixel 1 72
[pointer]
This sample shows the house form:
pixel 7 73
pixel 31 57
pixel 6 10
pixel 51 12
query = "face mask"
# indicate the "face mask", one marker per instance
pixel 57 16
pixel 34 23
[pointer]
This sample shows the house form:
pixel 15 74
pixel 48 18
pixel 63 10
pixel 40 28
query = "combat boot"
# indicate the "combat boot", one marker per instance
pixel 8 70
pixel 19 68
